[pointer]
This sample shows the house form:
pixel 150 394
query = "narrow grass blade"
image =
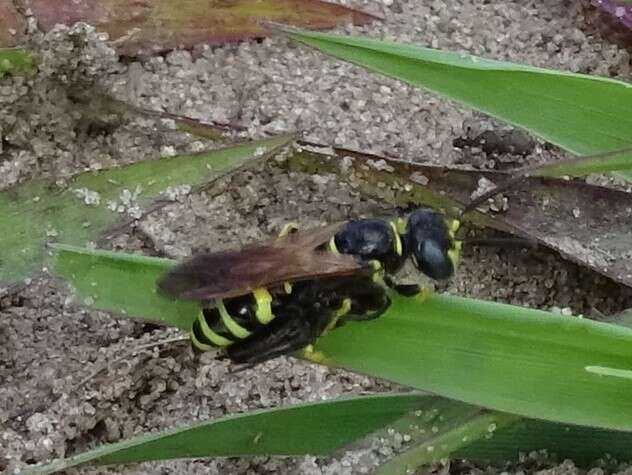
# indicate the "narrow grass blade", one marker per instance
pixel 615 160
pixel 15 61
pixel 580 113
pixel 527 362
pixel 583 445
pixel 419 430
pixel 316 428
pixel 39 212
pixel 443 443
pixel 443 429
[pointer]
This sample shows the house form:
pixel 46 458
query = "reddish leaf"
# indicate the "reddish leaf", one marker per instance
pixel 165 24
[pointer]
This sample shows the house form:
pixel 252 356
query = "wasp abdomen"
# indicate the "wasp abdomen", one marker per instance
pixel 231 320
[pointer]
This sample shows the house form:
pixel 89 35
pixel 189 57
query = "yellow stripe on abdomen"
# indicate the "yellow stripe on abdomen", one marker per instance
pixel 263 301
pixel 214 339
pixel 231 325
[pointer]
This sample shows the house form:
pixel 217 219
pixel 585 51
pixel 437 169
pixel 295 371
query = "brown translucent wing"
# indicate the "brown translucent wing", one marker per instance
pixel 309 239
pixel 232 273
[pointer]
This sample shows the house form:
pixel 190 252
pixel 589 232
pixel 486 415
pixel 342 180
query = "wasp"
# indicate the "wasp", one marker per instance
pixel 280 296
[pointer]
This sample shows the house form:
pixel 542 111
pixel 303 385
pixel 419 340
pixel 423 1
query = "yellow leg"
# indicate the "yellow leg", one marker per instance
pixel 310 354
pixel 341 312
pixel 289 228
pixel 453 226
pixel 424 293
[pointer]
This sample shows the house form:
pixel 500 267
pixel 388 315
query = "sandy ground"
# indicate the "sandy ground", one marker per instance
pixel 269 86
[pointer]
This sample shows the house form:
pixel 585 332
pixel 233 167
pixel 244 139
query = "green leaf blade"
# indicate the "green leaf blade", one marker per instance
pixel 614 161
pixel 580 113
pixel 443 444
pixel 313 428
pixel 583 445
pixel 450 429
pixel 39 212
pixel 121 283
pixel 511 359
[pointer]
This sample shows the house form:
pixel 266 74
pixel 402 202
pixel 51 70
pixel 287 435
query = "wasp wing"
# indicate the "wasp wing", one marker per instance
pixel 307 239
pixel 232 273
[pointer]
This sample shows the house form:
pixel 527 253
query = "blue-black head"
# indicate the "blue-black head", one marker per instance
pixel 433 247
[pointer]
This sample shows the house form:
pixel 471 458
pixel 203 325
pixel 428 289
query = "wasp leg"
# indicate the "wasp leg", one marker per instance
pixel 424 294
pixel 368 301
pixel 409 290
pixel 421 293
pixel 278 338
pixel 369 314
pixel 310 354
pixel 296 329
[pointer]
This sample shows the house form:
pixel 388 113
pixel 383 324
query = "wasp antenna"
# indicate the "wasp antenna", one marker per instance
pixel 503 242
pixel 277 27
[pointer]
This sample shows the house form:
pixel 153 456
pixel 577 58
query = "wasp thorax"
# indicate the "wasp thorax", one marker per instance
pixel 370 240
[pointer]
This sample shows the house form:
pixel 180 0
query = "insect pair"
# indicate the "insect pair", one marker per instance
pixel 280 296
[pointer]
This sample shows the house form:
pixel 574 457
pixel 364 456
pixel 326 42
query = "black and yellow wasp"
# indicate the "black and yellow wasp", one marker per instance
pixel 279 296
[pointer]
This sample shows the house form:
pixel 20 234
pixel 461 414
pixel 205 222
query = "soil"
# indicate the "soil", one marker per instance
pixel 55 401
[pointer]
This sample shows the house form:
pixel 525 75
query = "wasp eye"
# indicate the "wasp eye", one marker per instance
pixel 431 259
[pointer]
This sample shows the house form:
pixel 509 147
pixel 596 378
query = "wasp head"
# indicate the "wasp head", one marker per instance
pixel 433 247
